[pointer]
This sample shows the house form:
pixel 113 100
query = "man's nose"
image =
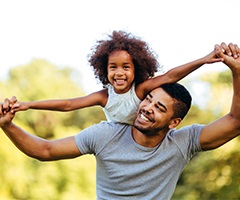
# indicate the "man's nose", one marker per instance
pixel 149 108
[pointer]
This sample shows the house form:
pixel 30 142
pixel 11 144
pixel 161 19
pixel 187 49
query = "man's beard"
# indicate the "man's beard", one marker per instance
pixel 148 131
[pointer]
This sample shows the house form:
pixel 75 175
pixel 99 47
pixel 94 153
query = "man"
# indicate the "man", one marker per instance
pixel 143 161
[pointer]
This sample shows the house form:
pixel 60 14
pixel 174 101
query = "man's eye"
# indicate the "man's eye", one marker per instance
pixel 147 99
pixel 158 108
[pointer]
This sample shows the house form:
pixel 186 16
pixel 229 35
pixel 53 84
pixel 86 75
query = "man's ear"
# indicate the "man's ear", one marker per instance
pixel 174 123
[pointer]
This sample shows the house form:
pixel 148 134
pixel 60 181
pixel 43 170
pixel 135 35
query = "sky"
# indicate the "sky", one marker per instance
pixel 63 32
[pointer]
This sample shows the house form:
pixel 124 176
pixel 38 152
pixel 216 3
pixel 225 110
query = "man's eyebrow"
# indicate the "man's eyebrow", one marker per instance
pixel 159 103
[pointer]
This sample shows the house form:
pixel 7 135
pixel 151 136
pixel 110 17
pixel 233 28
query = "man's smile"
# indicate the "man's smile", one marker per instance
pixel 145 117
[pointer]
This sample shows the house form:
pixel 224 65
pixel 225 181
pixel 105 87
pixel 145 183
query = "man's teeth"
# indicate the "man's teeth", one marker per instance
pixel 144 118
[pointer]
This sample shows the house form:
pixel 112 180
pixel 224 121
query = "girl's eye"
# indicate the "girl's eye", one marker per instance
pixel 126 67
pixel 112 67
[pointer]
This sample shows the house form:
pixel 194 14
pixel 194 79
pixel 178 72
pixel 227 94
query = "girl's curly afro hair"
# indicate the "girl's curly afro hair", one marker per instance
pixel 144 59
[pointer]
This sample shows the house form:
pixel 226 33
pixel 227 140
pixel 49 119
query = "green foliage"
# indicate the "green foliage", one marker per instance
pixel 41 80
pixel 26 178
pixel 212 174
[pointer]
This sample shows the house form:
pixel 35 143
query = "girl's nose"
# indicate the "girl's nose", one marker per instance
pixel 119 73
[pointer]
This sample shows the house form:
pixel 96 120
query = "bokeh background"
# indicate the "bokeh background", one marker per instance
pixel 43 54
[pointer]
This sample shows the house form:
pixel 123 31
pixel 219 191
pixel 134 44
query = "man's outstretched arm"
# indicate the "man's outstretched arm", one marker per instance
pixel 226 128
pixel 34 146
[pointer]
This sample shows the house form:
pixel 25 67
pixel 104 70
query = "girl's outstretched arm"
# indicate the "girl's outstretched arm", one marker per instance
pixel 93 99
pixel 175 74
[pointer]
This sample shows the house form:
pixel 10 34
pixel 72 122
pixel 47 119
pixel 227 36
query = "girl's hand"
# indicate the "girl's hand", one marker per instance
pixel 230 50
pixel 12 105
pixel 212 58
pixel 19 106
pixel 7 105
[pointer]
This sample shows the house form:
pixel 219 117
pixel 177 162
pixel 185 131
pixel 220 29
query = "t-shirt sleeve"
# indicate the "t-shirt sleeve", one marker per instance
pixel 188 140
pixel 92 139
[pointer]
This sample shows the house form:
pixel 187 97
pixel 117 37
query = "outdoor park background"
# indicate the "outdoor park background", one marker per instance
pixel 44 47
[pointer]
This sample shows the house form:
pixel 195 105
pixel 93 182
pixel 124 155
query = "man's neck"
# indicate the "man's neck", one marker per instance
pixel 148 140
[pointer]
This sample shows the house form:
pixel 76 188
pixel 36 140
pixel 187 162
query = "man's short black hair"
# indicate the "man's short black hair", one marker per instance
pixel 182 97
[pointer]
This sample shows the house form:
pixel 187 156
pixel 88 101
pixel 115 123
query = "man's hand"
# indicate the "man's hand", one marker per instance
pixel 231 50
pixel 230 54
pixel 6 113
pixel 6 119
pixel 221 51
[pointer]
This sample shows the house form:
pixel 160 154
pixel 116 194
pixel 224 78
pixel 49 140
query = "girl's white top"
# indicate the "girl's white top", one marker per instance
pixel 121 107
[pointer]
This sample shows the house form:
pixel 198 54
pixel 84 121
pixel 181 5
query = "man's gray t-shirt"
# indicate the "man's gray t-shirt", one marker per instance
pixel 127 170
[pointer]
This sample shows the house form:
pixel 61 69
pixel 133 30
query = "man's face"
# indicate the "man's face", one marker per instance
pixel 155 113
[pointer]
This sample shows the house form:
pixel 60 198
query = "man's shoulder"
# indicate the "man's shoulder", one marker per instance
pixel 190 129
pixel 96 137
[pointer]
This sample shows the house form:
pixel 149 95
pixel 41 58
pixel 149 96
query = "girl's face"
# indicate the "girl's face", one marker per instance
pixel 121 71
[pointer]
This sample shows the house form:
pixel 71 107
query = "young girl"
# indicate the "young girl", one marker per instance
pixel 125 65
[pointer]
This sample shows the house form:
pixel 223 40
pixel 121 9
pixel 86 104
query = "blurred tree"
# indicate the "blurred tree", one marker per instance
pixel 26 178
pixel 41 80
pixel 212 174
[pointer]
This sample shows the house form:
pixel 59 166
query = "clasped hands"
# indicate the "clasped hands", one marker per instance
pixel 6 111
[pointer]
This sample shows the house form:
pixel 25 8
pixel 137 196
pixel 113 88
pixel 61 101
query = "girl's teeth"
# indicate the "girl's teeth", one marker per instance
pixel 120 81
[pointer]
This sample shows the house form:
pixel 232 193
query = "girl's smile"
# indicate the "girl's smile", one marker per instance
pixel 121 71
